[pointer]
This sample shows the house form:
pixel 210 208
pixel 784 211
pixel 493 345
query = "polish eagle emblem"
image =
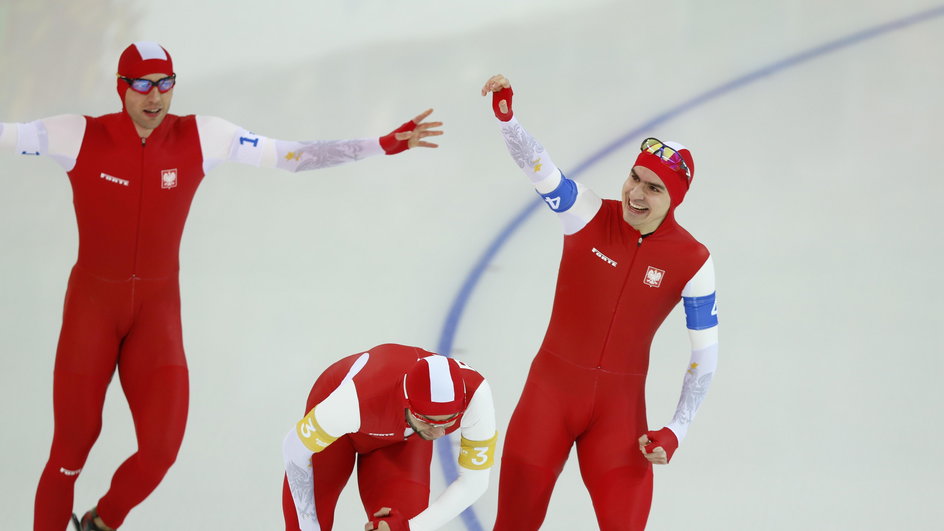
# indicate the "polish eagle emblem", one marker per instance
pixel 654 277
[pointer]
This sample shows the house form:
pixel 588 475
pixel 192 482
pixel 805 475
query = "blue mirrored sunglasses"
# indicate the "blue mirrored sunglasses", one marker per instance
pixel 144 86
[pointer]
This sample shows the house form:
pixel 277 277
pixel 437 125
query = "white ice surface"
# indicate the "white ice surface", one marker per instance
pixel 818 189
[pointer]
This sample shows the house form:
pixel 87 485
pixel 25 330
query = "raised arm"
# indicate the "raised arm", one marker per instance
pixel 575 204
pixel 223 141
pixel 701 317
pixel 58 137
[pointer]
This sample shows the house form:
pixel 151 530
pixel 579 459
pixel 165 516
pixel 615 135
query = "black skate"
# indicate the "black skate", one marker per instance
pixel 88 521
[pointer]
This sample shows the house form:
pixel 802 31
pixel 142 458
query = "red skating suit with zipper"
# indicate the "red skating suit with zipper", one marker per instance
pixel 586 385
pixel 615 288
pixel 122 304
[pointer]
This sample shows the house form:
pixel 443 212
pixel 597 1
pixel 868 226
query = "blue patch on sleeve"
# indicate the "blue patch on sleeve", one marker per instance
pixel 701 312
pixel 563 197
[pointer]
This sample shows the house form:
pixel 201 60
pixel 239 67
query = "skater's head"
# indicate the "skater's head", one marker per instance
pixel 145 83
pixel 434 395
pixel 657 183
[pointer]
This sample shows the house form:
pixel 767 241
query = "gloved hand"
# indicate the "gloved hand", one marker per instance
pixel 501 91
pixel 652 440
pixel 411 134
pixel 388 518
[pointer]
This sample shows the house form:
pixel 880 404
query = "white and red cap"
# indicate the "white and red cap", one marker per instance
pixel 140 59
pixel 434 386
pixel 675 180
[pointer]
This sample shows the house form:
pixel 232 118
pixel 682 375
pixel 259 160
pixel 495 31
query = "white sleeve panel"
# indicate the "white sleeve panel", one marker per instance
pixel 301 482
pixel 586 206
pixel 701 370
pixel 478 421
pixel 339 413
pixel 302 156
pixel 58 137
pixel 704 358
pixel 222 141
pixel 535 162
pixel 461 493
pixel 703 282
pixel 530 156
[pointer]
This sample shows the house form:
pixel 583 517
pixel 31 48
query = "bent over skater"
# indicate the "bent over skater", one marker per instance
pixel 133 175
pixel 626 263
pixel 381 409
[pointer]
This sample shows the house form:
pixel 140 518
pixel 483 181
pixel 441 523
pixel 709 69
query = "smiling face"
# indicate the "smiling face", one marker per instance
pixel 428 431
pixel 645 200
pixel 147 111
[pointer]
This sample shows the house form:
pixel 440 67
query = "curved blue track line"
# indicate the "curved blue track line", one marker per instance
pixel 451 324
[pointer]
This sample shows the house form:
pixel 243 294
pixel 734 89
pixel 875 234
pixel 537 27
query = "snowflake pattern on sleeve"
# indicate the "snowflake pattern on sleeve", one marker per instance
pixel 303 491
pixel 522 147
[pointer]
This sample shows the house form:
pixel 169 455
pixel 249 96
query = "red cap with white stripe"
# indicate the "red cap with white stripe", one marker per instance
pixel 140 59
pixel 434 386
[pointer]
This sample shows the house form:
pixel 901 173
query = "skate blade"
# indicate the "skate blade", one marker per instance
pixel 75 522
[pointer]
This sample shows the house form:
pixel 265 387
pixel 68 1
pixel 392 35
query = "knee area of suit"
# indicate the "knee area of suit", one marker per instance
pixel 408 497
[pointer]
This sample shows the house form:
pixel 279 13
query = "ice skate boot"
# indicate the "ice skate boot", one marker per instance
pixel 88 522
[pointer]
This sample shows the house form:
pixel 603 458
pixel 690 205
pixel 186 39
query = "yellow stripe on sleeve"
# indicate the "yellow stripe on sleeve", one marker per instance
pixel 477 455
pixel 312 435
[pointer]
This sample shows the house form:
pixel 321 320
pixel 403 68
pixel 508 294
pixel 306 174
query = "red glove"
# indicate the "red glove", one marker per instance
pixel 389 142
pixel 395 520
pixel 666 439
pixel 503 94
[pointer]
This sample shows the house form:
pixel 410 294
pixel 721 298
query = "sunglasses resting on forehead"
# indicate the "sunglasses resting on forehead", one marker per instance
pixel 670 157
pixel 144 86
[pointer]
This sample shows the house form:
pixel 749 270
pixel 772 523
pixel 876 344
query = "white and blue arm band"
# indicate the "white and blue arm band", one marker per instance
pixel 563 197
pixel 701 312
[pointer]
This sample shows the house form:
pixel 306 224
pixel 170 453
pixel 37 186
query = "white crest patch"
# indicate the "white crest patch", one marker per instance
pixel 169 179
pixel 653 277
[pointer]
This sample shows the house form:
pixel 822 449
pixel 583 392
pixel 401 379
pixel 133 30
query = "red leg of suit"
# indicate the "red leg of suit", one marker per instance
pixel 616 474
pixel 333 467
pixel 562 404
pixel 396 476
pixel 536 447
pixel 391 476
pixel 134 325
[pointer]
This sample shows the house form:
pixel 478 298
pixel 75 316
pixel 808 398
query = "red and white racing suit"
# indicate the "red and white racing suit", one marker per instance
pixel 586 385
pixel 356 412
pixel 122 305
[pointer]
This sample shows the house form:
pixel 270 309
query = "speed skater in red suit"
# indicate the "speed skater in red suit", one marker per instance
pixel 380 410
pixel 625 265
pixel 133 175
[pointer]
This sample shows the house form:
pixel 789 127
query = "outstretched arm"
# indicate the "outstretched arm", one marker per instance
pixel 574 204
pixel 223 141
pixel 58 137
pixel 701 315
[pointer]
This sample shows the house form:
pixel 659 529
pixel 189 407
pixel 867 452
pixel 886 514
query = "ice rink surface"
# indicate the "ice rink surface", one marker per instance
pixel 818 189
